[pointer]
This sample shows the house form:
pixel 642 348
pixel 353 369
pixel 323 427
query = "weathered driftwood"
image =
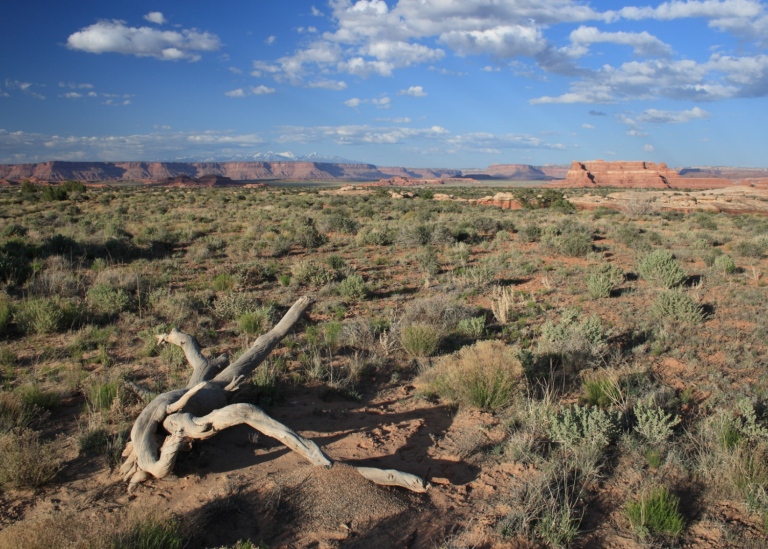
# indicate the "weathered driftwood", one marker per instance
pixel 172 420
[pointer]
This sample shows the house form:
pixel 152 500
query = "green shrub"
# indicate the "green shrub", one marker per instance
pixel 306 234
pixel 26 461
pixel 724 264
pixel 677 306
pixel 335 262
pixel 34 397
pixel 419 340
pixel 655 512
pixel 603 280
pixel 353 287
pixel 472 327
pixel 755 248
pixel 15 413
pixel 653 424
pixel 223 282
pixel 530 233
pixel 45 315
pixel 375 236
pixel 255 322
pixel 661 269
pixel 6 312
pixel 310 272
pixel 484 375
pixel 583 427
pixel 574 339
pixel 109 300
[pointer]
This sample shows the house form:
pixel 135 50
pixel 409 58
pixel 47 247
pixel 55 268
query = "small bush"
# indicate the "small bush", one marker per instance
pixel 109 300
pixel 583 427
pixel 661 269
pixel 15 413
pixel 255 322
pixel 723 264
pixel 419 340
pixel 655 512
pixel 353 287
pixel 677 306
pixel 34 397
pixel 45 315
pixel 310 272
pixel 26 461
pixel 223 282
pixel 755 248
pixel 472 327
pixel 603 280
pixel 573 339
pixel 654 424
pixel 6 312
pixel 484 375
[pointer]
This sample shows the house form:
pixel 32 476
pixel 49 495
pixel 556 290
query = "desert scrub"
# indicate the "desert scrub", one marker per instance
pixel 472 327
pixel 660 268
pixel 353 287
pixel 574 339
pixel 583 427
pixel 26 461
pixel 724 265
pixel 484 375
pixel 104 298
pixel 677 306
pixel 603 280
pixel 310 272
pixel 256 321
pixel 6 312
pixel 568 238
pixel 419 340
pixel 15 413
pixel 656 512
pixel 45 315
pixel 653 424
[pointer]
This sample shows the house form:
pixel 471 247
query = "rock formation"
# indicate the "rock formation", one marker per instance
pixel 632 175
pixel 505 201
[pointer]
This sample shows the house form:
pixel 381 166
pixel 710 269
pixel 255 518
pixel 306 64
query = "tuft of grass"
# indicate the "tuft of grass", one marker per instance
pixel 148 533
pixel 101 394
pixel 34 397
pixel 484 375
pixel 26 461
pixel 656 512
pixel 420 340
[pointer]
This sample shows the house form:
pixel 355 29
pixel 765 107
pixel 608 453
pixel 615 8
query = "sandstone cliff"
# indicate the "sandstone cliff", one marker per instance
pixel 633 175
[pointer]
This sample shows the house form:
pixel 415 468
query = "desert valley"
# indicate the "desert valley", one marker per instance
pixel 515 356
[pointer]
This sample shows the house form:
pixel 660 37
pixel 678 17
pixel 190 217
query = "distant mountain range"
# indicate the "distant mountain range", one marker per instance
pixel 293 170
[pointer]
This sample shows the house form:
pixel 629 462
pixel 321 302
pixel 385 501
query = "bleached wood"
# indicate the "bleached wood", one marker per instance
pixel 200 411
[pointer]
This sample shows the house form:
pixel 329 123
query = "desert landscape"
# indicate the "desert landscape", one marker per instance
pixel 574 362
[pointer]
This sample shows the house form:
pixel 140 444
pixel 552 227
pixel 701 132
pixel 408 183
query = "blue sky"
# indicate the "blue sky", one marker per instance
pixel 440 83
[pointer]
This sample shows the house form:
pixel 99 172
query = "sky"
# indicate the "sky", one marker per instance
pixel 417 83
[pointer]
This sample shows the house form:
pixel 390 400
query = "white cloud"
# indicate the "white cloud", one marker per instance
pixel 335 85
pixel 316 12
pixel 648 148
pixel 115 37
pixel 27 88
pixel 269 40
pixel 353 102
pixel 382 103
pixel 32 147
pixel 643 43
pixel 75 86
pixel 156 17
pixel 253 90
pixel 413 91
pixel 694 8
pixel 655 116
pixel 262 90
pixel 72 95
pixel 636 133
pixel 588 126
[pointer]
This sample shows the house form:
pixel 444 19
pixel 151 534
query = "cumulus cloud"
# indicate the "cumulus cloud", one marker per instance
pixel 655 116
pixel 380 103
pixel 643 43
pixel 34 147
pixel 156 17
pixel 253 90
pixel 413 91
pixel 116 37
pixel 648 148
pixel 335 85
